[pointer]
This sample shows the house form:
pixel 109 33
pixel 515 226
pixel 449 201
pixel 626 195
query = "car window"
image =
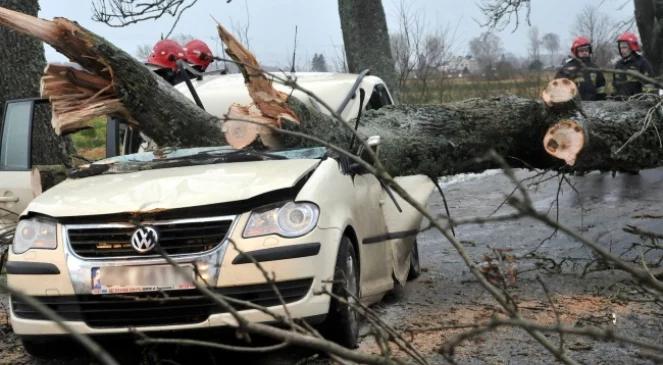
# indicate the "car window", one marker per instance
pixel 15 146
pixel 379 98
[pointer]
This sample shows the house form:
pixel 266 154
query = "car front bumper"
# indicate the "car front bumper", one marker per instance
pixel 67 289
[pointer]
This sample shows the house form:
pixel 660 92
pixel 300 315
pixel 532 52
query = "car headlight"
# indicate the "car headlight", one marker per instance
pixel 34 233
pixel 289 220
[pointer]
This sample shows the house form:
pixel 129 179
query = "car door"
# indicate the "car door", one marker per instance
pixel 374 250
pixel 19 184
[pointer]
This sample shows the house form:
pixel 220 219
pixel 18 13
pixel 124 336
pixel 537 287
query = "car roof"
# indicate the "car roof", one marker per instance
pixel 217 92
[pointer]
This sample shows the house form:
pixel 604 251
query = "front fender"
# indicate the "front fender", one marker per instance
pixel 407 222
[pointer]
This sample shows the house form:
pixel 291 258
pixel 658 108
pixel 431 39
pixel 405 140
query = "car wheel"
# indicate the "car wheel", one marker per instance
pixel 415 266
pixel 342 323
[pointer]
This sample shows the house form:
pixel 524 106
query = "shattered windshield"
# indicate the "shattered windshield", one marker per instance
pixel 178 157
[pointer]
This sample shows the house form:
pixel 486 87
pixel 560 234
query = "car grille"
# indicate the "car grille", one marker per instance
pixel 175 237
pixel 160 308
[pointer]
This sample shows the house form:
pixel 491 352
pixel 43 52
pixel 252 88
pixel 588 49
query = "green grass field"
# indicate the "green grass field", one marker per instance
pixel 444 90
pixel 91 143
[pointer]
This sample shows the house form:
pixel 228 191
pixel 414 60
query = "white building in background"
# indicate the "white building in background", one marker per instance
pixel 460 66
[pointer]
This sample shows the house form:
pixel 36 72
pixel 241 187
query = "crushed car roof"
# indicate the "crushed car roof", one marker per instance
pixel 218 92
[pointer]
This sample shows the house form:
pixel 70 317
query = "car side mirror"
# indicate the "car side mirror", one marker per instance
pixel 373 143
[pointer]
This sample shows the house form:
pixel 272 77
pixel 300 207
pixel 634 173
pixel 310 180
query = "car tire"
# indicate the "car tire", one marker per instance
pixel 415 265
pixel 342 323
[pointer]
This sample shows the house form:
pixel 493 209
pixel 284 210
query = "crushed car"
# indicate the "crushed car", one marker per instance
pixel 92 247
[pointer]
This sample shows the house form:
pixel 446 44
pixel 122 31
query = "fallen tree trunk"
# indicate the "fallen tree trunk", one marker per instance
pixel 447 139
pixel 434 140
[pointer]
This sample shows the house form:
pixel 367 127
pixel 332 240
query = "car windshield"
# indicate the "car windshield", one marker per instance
pixel 178 157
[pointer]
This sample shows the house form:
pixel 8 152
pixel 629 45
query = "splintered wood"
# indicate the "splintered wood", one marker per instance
pixel 77 97
pixel 270 103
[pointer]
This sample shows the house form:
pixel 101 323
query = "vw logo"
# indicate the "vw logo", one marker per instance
pixel 144 239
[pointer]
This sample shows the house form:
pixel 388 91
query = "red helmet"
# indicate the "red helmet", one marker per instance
pixel 631 39
pixel 165 54
pixel 580 42
pixel 198 54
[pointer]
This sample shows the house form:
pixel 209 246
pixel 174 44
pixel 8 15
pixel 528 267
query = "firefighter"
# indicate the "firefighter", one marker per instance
pixel 627 85
pixel 164 57
pixel 198 54
pixel 591 84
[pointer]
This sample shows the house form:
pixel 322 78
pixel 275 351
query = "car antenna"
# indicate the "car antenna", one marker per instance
pixel 294 52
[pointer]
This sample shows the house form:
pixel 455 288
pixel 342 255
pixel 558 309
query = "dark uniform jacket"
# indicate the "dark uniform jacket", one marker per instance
pixel 627 85
pixel 591 84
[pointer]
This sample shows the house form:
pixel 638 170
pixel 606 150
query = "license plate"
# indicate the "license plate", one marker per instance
pixel 132 279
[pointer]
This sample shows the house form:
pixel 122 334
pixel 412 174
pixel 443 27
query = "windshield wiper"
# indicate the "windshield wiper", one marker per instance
pixel 200 158
pixel 259 154
pixel 222 155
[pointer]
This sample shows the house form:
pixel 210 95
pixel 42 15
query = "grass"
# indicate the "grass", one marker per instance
pixel 444 90
pixel 91 142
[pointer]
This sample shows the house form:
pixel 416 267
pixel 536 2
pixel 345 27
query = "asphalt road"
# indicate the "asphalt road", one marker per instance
pixel 427 310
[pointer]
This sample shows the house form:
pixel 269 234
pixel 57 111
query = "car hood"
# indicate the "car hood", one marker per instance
pixel 169 188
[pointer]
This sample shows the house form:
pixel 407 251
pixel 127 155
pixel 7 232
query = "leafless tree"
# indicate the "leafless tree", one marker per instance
pixel 648 17
pixel 550 42
pixel 486 49
pixel 499 13
pixel 405 42
pixel 338 59
pixel 418 53
pixel 591 22
pixel 120 13
pixel 241 29
pixel 534 44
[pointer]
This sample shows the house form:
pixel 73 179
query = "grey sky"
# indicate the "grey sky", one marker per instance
pixel 272 23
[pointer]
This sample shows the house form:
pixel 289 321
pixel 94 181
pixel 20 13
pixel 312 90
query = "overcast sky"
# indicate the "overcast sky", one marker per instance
pixel 271 24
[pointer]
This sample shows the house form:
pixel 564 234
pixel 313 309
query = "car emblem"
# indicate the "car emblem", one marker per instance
pixel 144 239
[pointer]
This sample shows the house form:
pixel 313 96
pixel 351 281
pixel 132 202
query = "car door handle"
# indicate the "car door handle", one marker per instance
pixel 8 199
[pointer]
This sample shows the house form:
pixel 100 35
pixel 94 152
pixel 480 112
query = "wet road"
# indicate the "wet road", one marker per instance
pixel 599 207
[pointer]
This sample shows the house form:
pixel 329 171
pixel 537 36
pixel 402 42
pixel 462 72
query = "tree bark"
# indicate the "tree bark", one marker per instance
pixel 21 64
pixel 416 139
pixel 366 39
pixel 447 139
pixel 649 18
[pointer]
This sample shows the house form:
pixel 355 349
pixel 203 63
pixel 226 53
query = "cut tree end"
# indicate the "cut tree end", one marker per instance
pixel 559 92
pixel 564 140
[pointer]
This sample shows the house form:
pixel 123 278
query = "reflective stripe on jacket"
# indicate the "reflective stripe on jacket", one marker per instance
pixel 591 84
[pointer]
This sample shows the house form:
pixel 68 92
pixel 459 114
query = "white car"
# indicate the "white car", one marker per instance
pixel 88 247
